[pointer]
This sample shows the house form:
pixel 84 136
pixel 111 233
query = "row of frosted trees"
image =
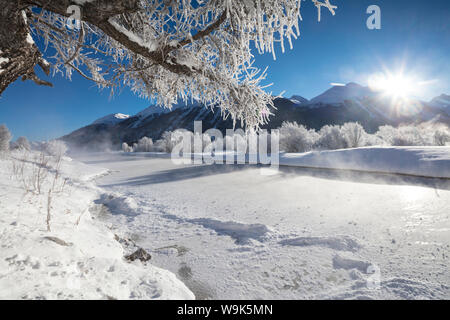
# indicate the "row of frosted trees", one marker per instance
pixel 298 138
pixel 54 147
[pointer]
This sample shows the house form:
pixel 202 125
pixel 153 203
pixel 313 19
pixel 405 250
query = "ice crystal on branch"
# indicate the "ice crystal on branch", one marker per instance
pixel 166 49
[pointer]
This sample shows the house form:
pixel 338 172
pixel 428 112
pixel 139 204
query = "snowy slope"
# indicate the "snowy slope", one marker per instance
pixel 111 119
pixel 155 110
pixel 230 232
pixel 338 94
pixel 80 257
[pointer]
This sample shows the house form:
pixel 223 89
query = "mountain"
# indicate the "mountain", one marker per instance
pixel 357 104
pixel 442 102
pixel 339 94
pixel 111 119
pixel 299 100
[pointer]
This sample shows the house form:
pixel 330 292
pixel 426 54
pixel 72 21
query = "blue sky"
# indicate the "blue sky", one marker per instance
pixel 415 35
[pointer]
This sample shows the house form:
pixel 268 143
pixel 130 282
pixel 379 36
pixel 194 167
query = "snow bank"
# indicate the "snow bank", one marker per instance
pixel 417 161
pixel 79 258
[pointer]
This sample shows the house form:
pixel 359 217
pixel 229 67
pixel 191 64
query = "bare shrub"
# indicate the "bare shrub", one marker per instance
pixel 56 148
pixel 5 138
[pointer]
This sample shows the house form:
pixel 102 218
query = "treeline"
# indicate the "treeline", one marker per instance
pixel 297 138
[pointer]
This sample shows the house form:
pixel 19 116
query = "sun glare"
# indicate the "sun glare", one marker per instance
pixel 395 85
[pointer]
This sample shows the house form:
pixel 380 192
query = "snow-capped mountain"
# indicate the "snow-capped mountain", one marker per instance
pixel 111 119
pixel 299 100
pixel 339 94
pixel 154 109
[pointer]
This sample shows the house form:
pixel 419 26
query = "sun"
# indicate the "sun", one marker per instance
pixel 396 85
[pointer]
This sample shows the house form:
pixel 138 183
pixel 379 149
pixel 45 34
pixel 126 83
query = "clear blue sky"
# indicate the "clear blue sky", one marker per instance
pixel 415 34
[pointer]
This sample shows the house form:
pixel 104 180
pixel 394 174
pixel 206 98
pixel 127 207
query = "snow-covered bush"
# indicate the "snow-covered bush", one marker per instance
pixel 355 134
pixel 442 137
pixel 144 145
pixel 21 143
pixel 5 138
pixel 410 135
pixel 296 138
pixel 165 144
pixel 373 140
pixel 126 147
pixel 386 134
pixel 406 135
pixel 56 148
pixel 331 138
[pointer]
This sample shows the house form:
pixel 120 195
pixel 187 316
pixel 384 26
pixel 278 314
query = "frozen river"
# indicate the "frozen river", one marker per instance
pixel 231 232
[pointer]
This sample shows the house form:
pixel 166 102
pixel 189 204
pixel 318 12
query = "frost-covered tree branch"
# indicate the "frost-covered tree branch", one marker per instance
pixel 162 49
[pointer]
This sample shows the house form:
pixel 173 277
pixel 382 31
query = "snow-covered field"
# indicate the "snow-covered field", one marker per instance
pixel 79 258
pixel 230 232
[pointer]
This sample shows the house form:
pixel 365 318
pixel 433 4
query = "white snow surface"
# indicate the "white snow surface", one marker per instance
pixel 230 232
pixel 418 161
pixel 79 258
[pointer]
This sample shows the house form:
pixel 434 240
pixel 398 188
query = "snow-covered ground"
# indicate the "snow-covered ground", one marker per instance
pixel 80 257
pixel 230 232
pixel 417 161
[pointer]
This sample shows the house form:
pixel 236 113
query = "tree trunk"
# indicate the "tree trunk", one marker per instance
pixel 18 53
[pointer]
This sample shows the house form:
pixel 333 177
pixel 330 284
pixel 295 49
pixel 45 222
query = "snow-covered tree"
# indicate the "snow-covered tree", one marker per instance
pixel 442 136
pixel 168 141
pixel 126 147
pixel 22 143
pixel 144 144
pixel 56 148
pixel 354 133
pixel 162 49
pixel 386 133
pixel 5 138
pixel 331 138
pixel 425 134
pixel 296 138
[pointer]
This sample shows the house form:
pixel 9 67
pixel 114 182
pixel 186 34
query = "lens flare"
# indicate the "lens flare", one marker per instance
pixel 395 85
